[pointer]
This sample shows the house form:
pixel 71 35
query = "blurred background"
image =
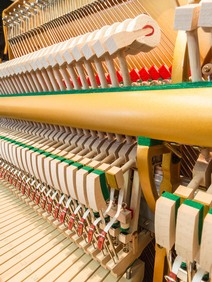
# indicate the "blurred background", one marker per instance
pixel 3 5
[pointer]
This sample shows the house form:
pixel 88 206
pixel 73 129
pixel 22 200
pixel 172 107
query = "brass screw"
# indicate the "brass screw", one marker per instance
pixel 207 69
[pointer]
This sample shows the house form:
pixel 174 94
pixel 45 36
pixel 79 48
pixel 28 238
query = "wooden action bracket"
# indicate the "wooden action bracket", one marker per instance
pixel 147 149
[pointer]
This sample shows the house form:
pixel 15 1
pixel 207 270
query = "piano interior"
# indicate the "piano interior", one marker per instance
pixel 105 151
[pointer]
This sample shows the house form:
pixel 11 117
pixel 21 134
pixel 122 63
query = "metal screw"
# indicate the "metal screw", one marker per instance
pixel 207 70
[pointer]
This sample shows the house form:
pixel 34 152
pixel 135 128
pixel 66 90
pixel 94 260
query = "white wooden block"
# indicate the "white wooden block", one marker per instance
pixel 54 173
pixel 184 192
pixel 5 147
pixel 187 243
pixel 28 66
pixel 34 64
pixel 68 57
pixel 87 48
pixel 59 59
pixel 95 196
pixel 186 17
pixel 204 198
pixel 61 153
pixel 44 62
pixel 81 176
pixel 47 170
pixel 99 46
pixel 3 150
pixel 104 167
pixel 40 59
pixel 24 160
pixel 62 167
pixel 76 53
pixel 94 164
pixel 59 53
pixel 118 41
pixel 14 150
pixel 202 170
pixel 77 158
pixel 70 156
pixel 19 156
pixel 51 60
pixel 34 161
pixel 141 26
pixel 119 38
pixel 165 215
pixel 71 181
pixel 40 166
pixel 205 19
pixel 17 69
pixel 206 244
pixel 88 51
pixel 39 64
pixel 85 161
pixel 115 177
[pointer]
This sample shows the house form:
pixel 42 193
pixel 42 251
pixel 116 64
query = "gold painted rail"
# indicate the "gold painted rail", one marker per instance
pixel 180 115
